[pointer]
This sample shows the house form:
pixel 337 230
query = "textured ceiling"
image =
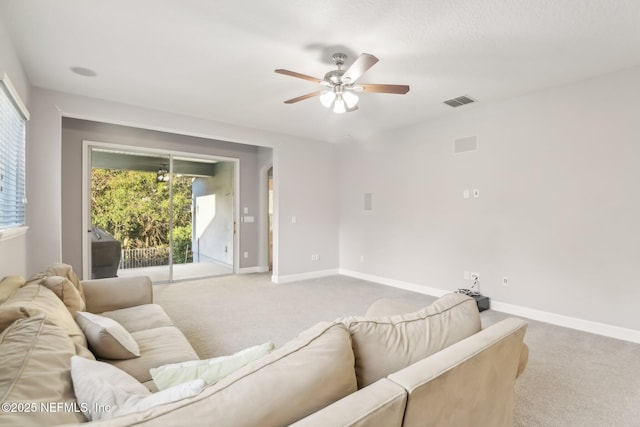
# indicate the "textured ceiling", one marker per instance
pixel 215 59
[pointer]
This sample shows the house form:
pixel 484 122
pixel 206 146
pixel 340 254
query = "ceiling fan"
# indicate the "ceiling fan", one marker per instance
pixel 341 87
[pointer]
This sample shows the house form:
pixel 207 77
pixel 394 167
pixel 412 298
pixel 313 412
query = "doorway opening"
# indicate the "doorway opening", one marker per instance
pixel 270 216
pixel 170 216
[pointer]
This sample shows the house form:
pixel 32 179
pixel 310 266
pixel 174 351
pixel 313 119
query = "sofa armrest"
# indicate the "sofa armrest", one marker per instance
pixel 468 383
pixel 115 293
pixel 379 404
pixel 524 359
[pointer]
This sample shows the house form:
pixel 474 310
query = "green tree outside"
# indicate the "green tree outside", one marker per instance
pixel 134 209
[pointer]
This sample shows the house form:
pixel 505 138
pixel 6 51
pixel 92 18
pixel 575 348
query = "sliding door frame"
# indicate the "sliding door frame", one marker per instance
pixel 87 146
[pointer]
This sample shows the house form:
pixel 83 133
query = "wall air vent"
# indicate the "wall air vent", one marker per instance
pixel 459 101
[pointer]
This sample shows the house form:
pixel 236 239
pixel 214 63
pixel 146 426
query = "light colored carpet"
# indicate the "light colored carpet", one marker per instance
pixel 572 379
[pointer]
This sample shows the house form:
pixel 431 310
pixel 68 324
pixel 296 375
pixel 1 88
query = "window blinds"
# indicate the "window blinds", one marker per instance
pixel 12 157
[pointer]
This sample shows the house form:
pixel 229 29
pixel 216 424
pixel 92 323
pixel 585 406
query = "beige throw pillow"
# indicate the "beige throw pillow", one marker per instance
pixel 62 270
pixel 383 345
pixel 35 370
pixel 104 391
pixel 65 290
pixel 106 337
pixel 210 370
pixel 8 286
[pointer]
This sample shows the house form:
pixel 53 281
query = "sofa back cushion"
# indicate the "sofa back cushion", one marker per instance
pixel 383 345
pixel 32 299
pixel 308 373
pixel 36 371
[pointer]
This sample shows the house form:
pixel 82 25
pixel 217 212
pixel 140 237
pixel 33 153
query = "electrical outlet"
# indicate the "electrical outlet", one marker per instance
pixel 246 254
pixel 315 257
pixel 505 281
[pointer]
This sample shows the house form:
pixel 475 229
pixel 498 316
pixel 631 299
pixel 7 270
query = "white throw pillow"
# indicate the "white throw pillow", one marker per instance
pixel 104 391
pixel 210 370
pixel 107 338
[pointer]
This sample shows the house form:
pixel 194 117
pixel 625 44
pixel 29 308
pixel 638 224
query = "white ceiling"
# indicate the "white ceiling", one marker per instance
pixel 215 59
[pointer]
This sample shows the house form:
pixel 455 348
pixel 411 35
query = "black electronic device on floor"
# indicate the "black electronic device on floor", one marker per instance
pixel 483 302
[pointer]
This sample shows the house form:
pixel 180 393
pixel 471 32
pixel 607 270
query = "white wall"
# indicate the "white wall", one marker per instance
pixel 558 212
pixel 308 191
pixel 13 251
pixel 290 156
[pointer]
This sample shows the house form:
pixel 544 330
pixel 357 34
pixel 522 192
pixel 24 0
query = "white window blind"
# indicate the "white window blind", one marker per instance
pixel 13 117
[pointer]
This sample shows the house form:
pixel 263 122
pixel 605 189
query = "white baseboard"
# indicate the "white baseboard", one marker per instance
pixel 256 269
pixel 407 286
pixel 569 322
pixel 516 310
pixel 304 276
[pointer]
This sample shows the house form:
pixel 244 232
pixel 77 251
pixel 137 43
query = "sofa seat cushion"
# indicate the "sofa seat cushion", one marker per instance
pixel 140 317
pixel 158 346
pixel 37 299
pixel 36 368
pixel 383 345
pixel 310 372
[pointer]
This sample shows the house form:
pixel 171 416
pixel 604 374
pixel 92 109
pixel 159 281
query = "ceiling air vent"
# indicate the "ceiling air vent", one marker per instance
pixel 459 101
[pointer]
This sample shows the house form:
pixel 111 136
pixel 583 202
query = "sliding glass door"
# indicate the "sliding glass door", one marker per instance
pixel 165 216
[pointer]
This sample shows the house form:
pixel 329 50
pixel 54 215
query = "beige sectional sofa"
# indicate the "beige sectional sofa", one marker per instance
pixel 38 336
pixel 395 366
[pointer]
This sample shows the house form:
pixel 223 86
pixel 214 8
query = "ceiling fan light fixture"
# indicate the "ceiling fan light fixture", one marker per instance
pixel 339 106
pixel 350 98
pixel 327 98
pixel 341 84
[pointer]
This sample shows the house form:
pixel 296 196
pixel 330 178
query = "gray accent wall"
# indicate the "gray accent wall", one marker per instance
pixel 75 131
pixel 557 213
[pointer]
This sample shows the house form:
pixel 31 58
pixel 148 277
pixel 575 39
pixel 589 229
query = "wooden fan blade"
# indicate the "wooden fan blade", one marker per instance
pixel 303 97
pixel 359 67
pixel 399 89
pixel 298 75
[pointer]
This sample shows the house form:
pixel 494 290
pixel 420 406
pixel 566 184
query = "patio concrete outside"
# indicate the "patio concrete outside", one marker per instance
pixel 160 274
